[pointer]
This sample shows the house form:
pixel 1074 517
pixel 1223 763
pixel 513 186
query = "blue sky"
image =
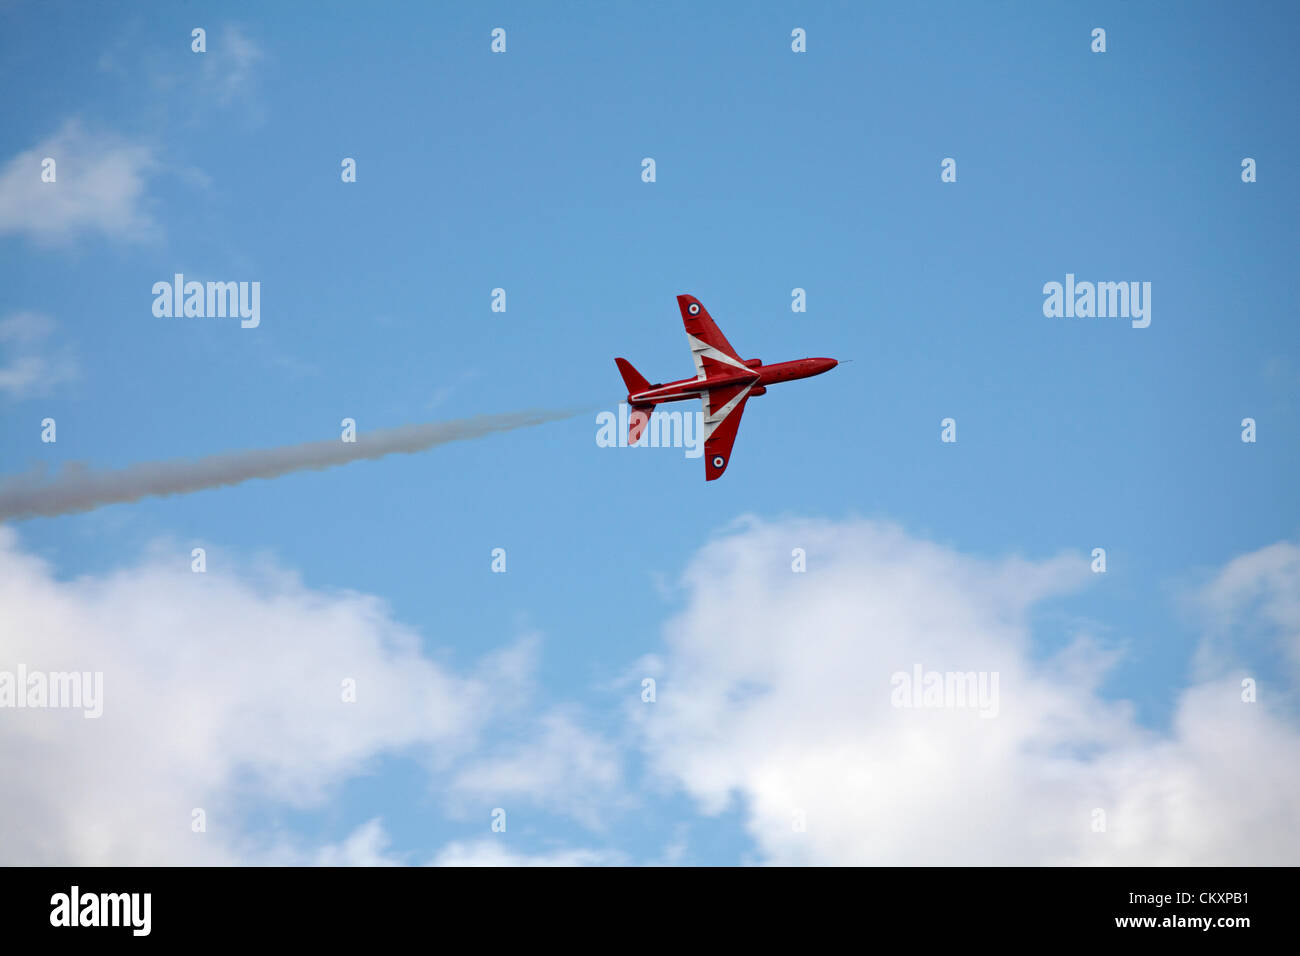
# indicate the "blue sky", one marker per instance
pixel 775 170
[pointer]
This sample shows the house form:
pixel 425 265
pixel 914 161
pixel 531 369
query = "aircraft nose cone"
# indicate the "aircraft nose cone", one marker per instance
pixel 826 364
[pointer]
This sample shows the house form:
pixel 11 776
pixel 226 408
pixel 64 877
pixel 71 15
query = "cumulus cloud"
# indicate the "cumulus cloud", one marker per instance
pixel 99 187
pixel 27 367
pixel 220 691
pixel 776 694
pixel 778 690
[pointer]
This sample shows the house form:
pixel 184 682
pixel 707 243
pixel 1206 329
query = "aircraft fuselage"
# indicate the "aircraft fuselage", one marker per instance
pixel 759 376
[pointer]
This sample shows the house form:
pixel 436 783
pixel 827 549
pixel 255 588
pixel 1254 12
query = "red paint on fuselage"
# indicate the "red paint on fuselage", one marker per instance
pixel 760 375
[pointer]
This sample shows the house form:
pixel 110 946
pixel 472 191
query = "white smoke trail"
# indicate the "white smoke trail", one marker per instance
pixel 78 488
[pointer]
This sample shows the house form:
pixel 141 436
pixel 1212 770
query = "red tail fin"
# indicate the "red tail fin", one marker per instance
pixel 634 380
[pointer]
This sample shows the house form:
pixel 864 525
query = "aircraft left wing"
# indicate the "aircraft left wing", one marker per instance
pixel 709 347
pixel 722 410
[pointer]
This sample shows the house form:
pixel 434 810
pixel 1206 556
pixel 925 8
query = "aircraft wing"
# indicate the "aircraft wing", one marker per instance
pixel 722 410
pixel 709 347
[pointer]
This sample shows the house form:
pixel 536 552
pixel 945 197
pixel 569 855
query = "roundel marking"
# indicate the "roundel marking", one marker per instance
pixel 718 461
pixel 693 308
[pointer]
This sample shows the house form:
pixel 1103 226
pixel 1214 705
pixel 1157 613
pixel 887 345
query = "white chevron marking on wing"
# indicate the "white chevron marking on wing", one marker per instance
pixel 700 349
pixel 713 419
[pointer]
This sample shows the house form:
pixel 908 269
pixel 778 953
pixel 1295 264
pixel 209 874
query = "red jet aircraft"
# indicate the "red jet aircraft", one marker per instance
pixel 723 382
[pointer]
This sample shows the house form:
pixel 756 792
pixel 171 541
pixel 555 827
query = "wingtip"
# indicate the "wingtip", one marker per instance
pixel 691 307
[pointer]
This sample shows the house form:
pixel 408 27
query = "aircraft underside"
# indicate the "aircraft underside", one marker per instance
pixel 724 382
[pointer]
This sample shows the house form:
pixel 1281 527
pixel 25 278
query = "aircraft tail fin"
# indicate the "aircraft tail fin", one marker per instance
pixel 634 380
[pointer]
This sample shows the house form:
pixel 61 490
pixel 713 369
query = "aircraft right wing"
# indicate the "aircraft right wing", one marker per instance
pixel 722 410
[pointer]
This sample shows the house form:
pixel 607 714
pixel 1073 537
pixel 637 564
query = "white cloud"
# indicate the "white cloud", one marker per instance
pixel 1255 597
pixel 99 187
pixel 186 85
pixel 369 845
pixel 25 327
pixel 230 66
pixel 776 687
pixel 562 767
pixel 26 368
pixel 493 852
pixel 222 691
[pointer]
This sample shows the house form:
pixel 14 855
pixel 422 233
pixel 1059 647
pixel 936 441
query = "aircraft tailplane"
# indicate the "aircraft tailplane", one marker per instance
pixel 637 420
